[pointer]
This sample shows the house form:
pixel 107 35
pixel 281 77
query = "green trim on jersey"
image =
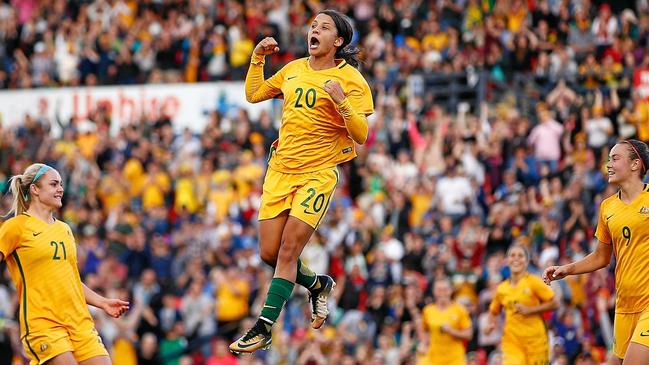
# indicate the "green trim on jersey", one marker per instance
pixel 22 274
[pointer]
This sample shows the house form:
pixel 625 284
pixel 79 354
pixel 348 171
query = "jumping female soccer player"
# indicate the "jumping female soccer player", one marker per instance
pixel 326 103
pixel 623 228
pixel 55 324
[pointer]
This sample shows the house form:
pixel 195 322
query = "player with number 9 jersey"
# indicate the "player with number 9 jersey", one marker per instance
pixel 626 228
pixel 623 229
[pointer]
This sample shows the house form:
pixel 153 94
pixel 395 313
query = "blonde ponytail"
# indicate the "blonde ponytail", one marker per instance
pixel 19 204
pixel 19 187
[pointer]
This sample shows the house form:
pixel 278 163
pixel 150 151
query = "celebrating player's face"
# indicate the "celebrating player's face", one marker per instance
pixel 442 290
pixel 620 165
pixel 517 260
pixel 49 189
pixel 323 37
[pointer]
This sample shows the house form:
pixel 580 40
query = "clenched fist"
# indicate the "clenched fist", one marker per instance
pixel 334 90
pixel 267 46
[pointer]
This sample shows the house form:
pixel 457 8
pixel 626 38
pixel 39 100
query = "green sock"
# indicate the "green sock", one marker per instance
pixel 305 276
pixel 278 293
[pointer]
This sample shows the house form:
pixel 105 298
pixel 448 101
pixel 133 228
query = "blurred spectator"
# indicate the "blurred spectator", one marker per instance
pixel 232 298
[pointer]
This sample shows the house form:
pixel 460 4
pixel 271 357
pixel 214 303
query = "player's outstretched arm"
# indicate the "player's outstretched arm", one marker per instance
pixel 594 261
pixel 112 307
pixel 256 88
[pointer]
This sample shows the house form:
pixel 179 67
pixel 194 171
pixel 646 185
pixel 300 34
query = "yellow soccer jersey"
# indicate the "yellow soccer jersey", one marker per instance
pixel 445 349
pixel 313 135
pixel 626 227
pixel 529 291
pixel 42 261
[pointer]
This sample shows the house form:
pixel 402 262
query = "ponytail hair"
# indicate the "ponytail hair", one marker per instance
pixel 638 150
pixel 346 31
pixel 19 187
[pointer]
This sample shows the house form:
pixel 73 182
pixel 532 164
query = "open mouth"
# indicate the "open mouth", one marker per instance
pixel 314 43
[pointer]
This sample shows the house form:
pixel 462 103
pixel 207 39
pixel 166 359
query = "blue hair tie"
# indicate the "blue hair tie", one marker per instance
pixel 41 172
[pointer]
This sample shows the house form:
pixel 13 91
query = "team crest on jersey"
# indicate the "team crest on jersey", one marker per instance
pixel 644 210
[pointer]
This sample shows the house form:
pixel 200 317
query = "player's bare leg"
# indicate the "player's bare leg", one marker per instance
pixel 97 360
pixel 614 360
pixel 295 236
pixel 270 237
pixel 636 354
pixel 65 358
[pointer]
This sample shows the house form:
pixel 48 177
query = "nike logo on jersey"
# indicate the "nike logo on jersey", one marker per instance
pixel 269 306
pixel 36 233
pixel 291 77
pixel 645 333
pixel 609 217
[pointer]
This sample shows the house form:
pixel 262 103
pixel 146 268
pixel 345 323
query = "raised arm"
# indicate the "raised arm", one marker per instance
pixel 258 89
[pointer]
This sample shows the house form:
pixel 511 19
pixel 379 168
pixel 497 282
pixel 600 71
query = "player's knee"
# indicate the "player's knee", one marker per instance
pixel 269 258
pixel 289 251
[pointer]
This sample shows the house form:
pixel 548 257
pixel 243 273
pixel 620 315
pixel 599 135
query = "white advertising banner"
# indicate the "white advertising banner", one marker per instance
pixel 187 105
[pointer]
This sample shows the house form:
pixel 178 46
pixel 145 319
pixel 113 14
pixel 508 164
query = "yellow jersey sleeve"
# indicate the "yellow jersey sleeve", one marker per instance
pixel 540 289
pixel 602 233
pixel 10 232
pixel 496 305
pixel 359 95
pixel 464 320
pixel 258 89
pixel 425 319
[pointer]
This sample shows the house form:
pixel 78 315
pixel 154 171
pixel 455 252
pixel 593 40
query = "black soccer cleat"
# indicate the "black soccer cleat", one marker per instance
pixel 319 298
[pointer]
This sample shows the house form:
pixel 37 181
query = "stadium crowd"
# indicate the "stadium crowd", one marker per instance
pixel 168 220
